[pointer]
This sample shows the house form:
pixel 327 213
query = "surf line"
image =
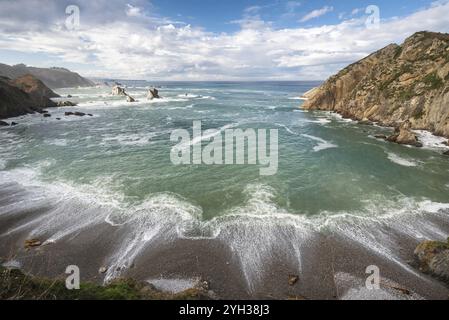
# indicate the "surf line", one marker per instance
pixel 226 147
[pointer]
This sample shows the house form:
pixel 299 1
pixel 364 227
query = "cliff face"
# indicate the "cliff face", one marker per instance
pixel 51 77
pixel 23 95
pixel 406 83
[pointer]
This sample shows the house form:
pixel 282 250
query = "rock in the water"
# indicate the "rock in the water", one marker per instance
pixel 130 99
pixel 153 93
pixel 3 124
pixel 366 121
pixel 66 104
pixel 32 243
pixel 403 135
pixel 79 114
pixel 68 113
pixel 118 91
pixel 47 115
pixel 433 257
pixel 58 118
pixel 69 96
pixel 446 153
pixel 103 270
pixel 292 279
pixel 90 114
pixel 380 136
pixel 14 124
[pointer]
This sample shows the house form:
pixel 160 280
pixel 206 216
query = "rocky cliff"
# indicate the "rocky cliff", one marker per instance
pixel 406 83
pixel 23 95
pixel 51 77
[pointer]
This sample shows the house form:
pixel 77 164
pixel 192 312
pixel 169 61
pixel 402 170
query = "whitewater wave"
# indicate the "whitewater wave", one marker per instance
pixel 322 145
pixel 253 231
pixel 393 157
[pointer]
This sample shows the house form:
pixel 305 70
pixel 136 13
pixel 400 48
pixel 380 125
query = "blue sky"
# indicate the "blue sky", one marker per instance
pixel 218 16
pixel 208 39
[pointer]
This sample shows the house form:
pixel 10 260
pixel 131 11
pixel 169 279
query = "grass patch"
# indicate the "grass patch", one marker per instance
pixel 15 285
pixel 433 81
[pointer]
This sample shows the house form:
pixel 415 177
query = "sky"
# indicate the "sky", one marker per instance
pixel 207 40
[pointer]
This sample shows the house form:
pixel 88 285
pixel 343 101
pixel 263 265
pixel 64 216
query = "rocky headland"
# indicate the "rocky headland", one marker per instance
pixel 24 95
pixel 403 86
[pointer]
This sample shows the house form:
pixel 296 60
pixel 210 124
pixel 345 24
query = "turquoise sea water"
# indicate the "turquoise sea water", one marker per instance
pixel 325 163
pixel 115 167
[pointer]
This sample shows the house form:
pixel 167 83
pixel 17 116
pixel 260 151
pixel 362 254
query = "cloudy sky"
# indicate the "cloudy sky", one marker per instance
pixel 208 39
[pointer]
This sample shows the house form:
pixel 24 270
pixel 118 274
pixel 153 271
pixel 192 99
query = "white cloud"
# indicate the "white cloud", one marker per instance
pixel 151 47
pixel 317 13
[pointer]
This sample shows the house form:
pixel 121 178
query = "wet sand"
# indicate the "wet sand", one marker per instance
pixel 332 265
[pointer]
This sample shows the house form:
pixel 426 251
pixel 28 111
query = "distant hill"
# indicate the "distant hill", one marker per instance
pixel 52 77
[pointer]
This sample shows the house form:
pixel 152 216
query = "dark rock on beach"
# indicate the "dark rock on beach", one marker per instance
pixel 433 258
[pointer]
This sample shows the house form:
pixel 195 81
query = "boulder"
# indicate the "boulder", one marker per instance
pixel 118 91
pixel 130 99
pixel 66 104
pixel 3 124
pixel 404 135
pixel 153 93
pixel 69 113
pixel 292 280
pixel 13 124
pixel 79 114
pixel 433 258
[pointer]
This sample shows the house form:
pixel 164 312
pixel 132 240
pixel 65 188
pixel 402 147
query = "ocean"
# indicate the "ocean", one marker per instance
pixel 101 190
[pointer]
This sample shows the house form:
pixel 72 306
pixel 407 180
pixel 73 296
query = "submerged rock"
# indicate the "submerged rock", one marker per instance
pixel 68 113
pixel 433 258
pixel 47 115
pixel 79 114
pixel 446 153
pixel 380 136
pixel 3 124
pixel 153 93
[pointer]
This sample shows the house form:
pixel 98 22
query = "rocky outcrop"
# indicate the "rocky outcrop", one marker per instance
pixel 66 104
pixel 433 258
pixel 153 93
pixel 397 84
pixel 118 91
pixel 404 135
pixel 35 88
pixel 51 77
pixel 22 96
